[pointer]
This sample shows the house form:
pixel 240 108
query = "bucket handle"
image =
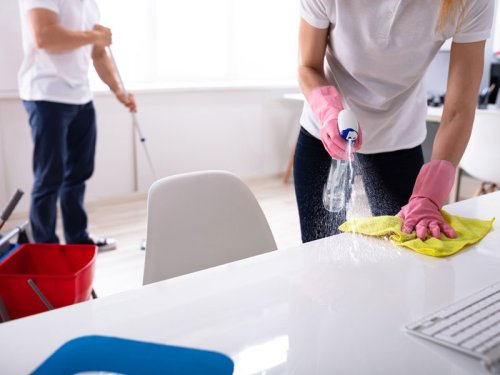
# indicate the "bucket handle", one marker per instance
pixel 4 315
pixel 40 295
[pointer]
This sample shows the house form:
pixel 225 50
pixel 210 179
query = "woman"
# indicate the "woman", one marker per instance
pixel 371 56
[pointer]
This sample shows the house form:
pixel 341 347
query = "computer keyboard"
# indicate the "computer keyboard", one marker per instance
pixel 471 325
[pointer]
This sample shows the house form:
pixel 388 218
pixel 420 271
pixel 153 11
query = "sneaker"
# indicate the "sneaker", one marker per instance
pixel 104 244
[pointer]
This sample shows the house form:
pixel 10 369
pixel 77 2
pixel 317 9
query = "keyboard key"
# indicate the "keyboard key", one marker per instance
pixel 484 348
pixel 472 343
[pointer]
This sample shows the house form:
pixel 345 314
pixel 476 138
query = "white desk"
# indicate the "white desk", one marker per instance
pixel 333 306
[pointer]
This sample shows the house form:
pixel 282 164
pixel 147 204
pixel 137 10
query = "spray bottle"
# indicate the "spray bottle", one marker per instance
pixel 335 187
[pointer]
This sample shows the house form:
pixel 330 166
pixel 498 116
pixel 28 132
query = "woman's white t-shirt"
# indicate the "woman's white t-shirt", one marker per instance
pixel 57 76
pixel 377 55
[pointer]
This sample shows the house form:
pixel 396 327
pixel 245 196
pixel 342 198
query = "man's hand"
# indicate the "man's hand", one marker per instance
pixel 103 36
pixel 127 100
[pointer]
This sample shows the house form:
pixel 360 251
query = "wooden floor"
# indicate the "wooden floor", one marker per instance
pixel 122 269
pixel 125 220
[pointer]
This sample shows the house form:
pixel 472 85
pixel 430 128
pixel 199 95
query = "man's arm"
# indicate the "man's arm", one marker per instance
pixel 464 78
pixel 106 71
pixel 49 35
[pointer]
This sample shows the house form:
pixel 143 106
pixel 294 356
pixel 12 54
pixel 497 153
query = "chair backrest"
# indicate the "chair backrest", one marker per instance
pixel 482 157
pixel 200 220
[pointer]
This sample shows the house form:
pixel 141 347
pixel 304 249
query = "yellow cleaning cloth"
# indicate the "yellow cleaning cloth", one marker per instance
pixel 469 231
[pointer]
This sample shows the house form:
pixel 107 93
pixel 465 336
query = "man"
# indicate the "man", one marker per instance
pixel 60 37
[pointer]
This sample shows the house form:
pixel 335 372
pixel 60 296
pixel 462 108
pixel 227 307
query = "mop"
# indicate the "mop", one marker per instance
pixel 135 125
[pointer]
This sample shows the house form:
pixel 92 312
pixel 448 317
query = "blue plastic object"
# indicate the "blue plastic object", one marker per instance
pixel 115 355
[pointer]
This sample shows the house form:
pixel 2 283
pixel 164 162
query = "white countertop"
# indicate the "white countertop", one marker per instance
pixel 334 306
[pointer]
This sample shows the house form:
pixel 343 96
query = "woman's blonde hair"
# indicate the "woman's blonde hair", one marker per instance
pixel 451 10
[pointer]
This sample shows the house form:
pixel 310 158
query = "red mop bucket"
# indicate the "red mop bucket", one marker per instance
pixel 63 273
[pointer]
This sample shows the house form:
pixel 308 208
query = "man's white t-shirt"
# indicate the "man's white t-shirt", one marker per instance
pixel 377 55
pixel 57 76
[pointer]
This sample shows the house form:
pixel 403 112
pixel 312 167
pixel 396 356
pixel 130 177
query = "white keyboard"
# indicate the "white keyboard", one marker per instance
pixel 471 326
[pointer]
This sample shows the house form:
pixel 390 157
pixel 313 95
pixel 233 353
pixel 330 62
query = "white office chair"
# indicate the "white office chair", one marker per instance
pixel 482 157
pixel 200 220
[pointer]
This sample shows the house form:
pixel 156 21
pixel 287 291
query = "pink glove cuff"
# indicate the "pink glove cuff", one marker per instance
pixel 435 181
pixel 325 102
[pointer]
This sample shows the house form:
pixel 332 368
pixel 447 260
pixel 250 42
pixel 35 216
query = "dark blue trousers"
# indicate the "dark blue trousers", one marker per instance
pixel 64 137
pixel 388 179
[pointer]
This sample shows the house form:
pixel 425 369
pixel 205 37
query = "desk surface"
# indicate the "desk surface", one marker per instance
pixel 334 306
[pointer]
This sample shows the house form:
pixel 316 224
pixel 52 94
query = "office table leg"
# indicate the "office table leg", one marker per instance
pixel 289 168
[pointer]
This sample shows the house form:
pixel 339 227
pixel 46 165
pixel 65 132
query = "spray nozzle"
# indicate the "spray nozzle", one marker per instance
pixel 348 125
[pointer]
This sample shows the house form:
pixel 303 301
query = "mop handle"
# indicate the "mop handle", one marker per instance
pixel 135 123
pixel 117 71
pixel 14 200
pixel 134 117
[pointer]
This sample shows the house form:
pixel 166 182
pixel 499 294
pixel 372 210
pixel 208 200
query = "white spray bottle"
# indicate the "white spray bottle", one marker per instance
pixel 335 187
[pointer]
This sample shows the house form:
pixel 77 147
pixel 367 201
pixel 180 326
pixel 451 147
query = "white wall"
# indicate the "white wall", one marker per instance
pixel 3 174
pixel 496 30
pixel 11 47
pixel 247 131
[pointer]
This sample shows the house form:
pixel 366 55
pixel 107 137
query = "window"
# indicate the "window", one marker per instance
pixel 171 42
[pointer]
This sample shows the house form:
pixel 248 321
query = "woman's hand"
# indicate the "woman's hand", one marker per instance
pixel 433 185
pixel 326 104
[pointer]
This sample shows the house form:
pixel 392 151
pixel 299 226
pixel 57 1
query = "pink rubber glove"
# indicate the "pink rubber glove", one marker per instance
pixel 434 183
pixel 326 104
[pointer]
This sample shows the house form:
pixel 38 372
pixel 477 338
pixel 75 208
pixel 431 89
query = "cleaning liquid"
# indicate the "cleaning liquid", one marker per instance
pixel 334 192
pixel 341 171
